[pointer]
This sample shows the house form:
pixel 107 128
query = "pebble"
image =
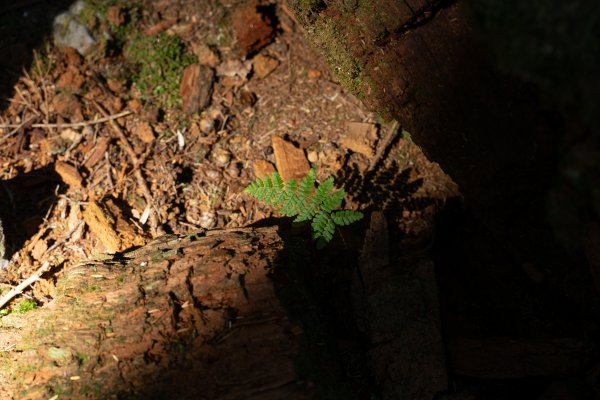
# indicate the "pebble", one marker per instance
pixel 68 32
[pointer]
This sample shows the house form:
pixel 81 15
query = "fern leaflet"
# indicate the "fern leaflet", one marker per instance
pixel 303 201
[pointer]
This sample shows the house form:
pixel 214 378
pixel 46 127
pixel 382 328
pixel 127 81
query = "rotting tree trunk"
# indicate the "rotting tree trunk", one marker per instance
pixel 396 303
pixel 188 317
pixel 422 63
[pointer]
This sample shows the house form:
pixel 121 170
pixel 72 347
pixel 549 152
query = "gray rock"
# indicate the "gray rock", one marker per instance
pixel 69 32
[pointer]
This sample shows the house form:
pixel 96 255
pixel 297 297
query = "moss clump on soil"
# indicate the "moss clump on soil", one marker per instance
pixel 334 43
pixel 158 63
pixel 21 307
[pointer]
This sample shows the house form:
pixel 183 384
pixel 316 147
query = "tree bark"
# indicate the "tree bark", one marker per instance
pixel 185 317
pixel 422 63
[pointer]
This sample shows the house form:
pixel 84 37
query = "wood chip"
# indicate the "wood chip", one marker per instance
pixel 144 132
pixel 129 234
pixel 39 249
pixel 69 174
pixel 111 227
pixel 206 56
pixel 262 168
pixel 361 138
pixel 290 160
pixel 101 224
pixel 252 28
pixel 264 65
pixel 196 88
pixel 97 154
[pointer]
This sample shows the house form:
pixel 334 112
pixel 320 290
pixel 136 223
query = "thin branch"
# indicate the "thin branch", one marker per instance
pixel 384 145
pixel 156 230
pixel 23 285
pixel 107 118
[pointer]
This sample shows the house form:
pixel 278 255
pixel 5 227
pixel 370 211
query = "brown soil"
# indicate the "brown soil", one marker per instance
pixel 195 167
pixel 370 319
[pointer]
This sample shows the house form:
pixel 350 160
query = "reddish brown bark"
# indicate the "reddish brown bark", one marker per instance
pixel 196 317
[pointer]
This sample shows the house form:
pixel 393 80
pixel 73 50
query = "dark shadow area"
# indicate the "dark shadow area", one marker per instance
pixel 500 95
pixel 316 290
pixel 24 202
pixel 386 189
pixel 24 25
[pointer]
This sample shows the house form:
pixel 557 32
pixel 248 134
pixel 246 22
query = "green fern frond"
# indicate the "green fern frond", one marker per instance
pixel 308 212
pixel 307 184
pixel 277 181
pixel 305 202
pixel 333 201
pixel 323 190
pixel 323 226
pixel 346 217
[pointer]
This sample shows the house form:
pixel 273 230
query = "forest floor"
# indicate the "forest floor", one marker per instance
pixel 195 165
pixel 175 106
pixel 104 151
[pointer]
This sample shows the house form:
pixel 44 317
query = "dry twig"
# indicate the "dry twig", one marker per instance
pixel 29 281
pixel 106 118
pixel 384 145
pixel 153 220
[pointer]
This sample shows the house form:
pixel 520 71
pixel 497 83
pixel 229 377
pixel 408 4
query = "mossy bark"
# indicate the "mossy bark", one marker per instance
pixel 424 64
pixel 195 318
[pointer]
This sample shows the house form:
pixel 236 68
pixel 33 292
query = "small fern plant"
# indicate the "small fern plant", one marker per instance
pixel 303 201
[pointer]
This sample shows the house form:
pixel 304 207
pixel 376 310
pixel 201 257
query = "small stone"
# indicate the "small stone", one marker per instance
pixel 208 219
pixel 313 74
pixel 234 68
pixel 233 170
pixel 264 65
pixel 221 157
pixel 207 125
pixel 71 135
pixel 68 32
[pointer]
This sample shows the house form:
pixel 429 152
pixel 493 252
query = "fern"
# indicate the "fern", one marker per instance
pixel 303 201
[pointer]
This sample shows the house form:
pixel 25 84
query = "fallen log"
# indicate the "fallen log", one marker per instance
pixel 184 317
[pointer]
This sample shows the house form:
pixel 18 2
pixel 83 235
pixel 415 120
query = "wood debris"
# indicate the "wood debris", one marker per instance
pixel 69 174
pixel 361 138
pixel 290 160
pixel 262 168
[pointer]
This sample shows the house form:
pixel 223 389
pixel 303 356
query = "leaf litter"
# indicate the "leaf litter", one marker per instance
pixel 85 133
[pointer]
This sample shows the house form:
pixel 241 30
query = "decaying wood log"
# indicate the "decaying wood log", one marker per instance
pixel 190 317
pixel 511 358
pixel 400 316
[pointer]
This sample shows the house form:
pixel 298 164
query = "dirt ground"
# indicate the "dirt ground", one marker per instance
pixel 79 142
pixel 95 160
pixel 195 166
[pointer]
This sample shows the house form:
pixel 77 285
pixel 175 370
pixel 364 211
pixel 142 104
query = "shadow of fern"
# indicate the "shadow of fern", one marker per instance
pixel 387 188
